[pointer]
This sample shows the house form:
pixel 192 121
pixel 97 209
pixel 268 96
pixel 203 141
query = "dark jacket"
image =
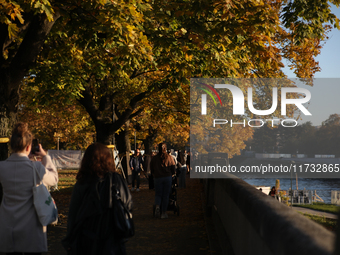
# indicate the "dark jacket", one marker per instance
pixel 136 163
pixel 159 169
pixel 84 205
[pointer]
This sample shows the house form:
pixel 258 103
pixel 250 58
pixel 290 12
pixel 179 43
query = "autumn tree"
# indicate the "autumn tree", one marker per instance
pixel 69 122
pixel 177 40
pixel 165 117
pixel 115 54
pixel 24 26
pixel 93 58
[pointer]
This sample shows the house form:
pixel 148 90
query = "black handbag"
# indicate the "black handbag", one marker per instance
pixel 104 221
pixel 122 217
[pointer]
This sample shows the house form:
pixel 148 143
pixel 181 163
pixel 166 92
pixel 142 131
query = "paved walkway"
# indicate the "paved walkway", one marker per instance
pixel 183 234
pixel 316 212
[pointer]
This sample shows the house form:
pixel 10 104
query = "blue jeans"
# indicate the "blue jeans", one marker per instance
pixel 162 192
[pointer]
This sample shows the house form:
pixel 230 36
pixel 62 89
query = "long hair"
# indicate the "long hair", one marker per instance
pixel 162 152
pixel 97 161
pixel 180 158
pixel 21 137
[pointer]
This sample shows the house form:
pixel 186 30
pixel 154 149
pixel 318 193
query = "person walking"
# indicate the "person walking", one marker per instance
pixel 188 162
pixel 146 167
pixel 136 162
pixel 20 229
pixel 182 168
pixel 83 230
pixel 273 192
pixel 162 167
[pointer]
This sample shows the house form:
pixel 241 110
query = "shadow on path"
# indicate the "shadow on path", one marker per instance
pixel 183 234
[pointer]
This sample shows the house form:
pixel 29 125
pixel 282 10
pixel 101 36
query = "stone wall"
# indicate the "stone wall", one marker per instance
pixel 255 223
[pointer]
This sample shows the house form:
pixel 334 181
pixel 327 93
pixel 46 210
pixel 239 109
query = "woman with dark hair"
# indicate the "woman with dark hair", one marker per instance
pixel 273 192
pixel 97 161
pixel 96 164
pixel 162 167
pixel 20 229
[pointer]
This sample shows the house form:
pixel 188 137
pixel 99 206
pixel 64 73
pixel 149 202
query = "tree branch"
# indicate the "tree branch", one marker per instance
pixel 30 47
pixel 89 104
pixel 136 113
pixel 135 74
pixel 126 115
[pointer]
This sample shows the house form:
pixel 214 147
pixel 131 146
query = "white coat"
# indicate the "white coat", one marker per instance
pixel 20 229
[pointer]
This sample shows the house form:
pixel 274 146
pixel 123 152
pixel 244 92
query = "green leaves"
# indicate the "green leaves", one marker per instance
pixel 44 6
pixel 12 30
pixel 309 17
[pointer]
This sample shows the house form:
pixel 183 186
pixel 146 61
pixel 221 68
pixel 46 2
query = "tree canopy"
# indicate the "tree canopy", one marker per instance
pixel 113 55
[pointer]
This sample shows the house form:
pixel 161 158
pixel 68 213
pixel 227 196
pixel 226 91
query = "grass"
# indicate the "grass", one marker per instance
pixel 62 196
pixel 67 179
pixel 322 207
pixel 330 224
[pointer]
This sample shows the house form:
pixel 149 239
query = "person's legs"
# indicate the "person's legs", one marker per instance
pixel 138 180
pixel 158 191
pixel 166 193
pixel 133 179
pixel 158 196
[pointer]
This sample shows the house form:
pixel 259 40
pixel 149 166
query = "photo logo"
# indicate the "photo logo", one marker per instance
pixel 238 99
pixel 204 97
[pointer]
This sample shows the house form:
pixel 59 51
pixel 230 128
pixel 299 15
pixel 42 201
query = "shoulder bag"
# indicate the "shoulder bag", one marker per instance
pixel 122 217
pixel 44 203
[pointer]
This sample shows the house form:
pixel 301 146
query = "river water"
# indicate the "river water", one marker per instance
pixel 323 187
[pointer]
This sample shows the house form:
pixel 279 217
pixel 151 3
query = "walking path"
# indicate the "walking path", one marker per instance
pixel 316 212
pixel 183 234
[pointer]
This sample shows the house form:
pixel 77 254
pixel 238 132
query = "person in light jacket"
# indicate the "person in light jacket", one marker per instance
pixel 20 229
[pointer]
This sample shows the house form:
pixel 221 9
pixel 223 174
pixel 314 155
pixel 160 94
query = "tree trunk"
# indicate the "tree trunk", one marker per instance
pixel 104 133
pixel 149 143
pixel 150 140
pixel 14 68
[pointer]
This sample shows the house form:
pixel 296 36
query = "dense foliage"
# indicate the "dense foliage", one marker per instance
pixel 114 57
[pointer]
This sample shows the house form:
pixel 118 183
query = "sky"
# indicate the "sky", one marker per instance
pixel 325 94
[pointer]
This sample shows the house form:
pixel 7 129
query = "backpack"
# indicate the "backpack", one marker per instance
pixel 106 220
